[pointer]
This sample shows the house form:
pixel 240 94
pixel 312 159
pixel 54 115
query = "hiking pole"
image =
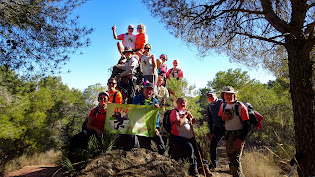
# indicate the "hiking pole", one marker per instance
pixel 295 160
pixel 292 170
pixel 192 129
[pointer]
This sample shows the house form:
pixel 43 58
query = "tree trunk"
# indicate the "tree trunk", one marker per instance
pixel 302 91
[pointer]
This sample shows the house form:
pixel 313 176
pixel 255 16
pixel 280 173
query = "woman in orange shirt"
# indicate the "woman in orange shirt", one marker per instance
pixel 141 40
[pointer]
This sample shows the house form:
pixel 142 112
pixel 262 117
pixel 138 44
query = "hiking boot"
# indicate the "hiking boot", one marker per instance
pixel 213 166
pixel 207 171
pixel 193 172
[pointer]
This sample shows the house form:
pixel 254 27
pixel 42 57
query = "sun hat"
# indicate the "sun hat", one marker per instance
pixel 128 49
pixel 102 93
pixel 228 89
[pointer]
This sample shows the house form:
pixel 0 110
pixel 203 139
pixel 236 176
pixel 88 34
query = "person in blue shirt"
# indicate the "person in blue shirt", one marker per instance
pixel 148 98
pixel 215 124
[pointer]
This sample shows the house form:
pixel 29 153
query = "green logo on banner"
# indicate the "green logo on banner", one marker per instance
pixel 131 119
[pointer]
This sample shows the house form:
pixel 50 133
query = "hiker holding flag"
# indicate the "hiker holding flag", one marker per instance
pixel 147 98
pixel 183 135
pixel 236 127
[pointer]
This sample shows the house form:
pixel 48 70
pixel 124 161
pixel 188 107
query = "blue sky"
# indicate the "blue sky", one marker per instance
pixel 92 66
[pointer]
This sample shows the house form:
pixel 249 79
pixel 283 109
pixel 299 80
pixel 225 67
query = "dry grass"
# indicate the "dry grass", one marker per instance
pixel 256 164
pixel 50 157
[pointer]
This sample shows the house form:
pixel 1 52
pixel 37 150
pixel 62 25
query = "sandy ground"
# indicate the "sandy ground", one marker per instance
pixel 35 171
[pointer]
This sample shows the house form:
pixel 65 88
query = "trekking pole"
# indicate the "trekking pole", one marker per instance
pixel 295 160
pixel 203 168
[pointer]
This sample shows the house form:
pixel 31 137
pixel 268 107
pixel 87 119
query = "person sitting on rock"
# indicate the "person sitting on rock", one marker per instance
pixel 148 65
pixel 128 39
pixel 161 91
pixel 127 76
pixel 175 72
pixel 114 94
pixel 141 40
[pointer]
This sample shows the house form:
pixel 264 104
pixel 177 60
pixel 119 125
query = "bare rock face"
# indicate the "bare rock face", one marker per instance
pixel 136 162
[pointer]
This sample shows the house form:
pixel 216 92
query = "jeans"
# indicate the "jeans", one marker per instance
pixel 219 133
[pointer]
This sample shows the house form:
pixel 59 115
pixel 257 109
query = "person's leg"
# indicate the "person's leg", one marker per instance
pixel 160 144
pixel 188 150
pixel 219 133
pixel 121 48
pixel 234 155
pixel 127 141
pixel 229 147
pixel 131 90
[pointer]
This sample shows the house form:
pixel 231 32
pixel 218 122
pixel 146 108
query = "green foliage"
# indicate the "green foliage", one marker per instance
pixel 66 163
pixel 96 146
pixel 236 78
pixel 37 36
pixel 182 88
pixel 33 117
pixel 91 93
pixel 271 100
pixel 101 145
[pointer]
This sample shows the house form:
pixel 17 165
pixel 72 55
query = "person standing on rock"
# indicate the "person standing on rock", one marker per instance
pixel 148 98
pixel 182 134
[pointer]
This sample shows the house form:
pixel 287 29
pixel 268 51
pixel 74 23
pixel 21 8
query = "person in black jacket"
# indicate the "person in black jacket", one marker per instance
pixel 215 124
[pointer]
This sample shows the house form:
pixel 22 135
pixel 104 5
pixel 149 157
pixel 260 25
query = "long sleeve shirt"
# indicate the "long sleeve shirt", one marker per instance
pixel 130 66
pixel 212 115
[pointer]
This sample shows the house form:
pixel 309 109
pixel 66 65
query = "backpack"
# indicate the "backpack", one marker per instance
pixel 114 99
pixel 84 125
pixel 255 119
pixel 167 122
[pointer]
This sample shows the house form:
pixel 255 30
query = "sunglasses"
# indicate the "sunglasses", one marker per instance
pixel 111 83
pixel 139 28
pixel 101 98
pixel 147 48
pixel 130 28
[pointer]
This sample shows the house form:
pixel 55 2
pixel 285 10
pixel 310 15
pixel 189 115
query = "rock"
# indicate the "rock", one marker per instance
pixel 136 162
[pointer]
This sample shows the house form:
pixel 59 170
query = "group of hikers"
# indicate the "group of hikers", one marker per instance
pixel 227 117
pixel 137 66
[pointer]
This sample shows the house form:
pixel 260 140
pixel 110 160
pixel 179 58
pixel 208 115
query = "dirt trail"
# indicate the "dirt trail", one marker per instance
pixel 222 169
pixel 35 171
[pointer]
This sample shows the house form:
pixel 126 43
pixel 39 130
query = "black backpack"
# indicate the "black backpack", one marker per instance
pixel 167 122
pixel 84 125
pixel 252 118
